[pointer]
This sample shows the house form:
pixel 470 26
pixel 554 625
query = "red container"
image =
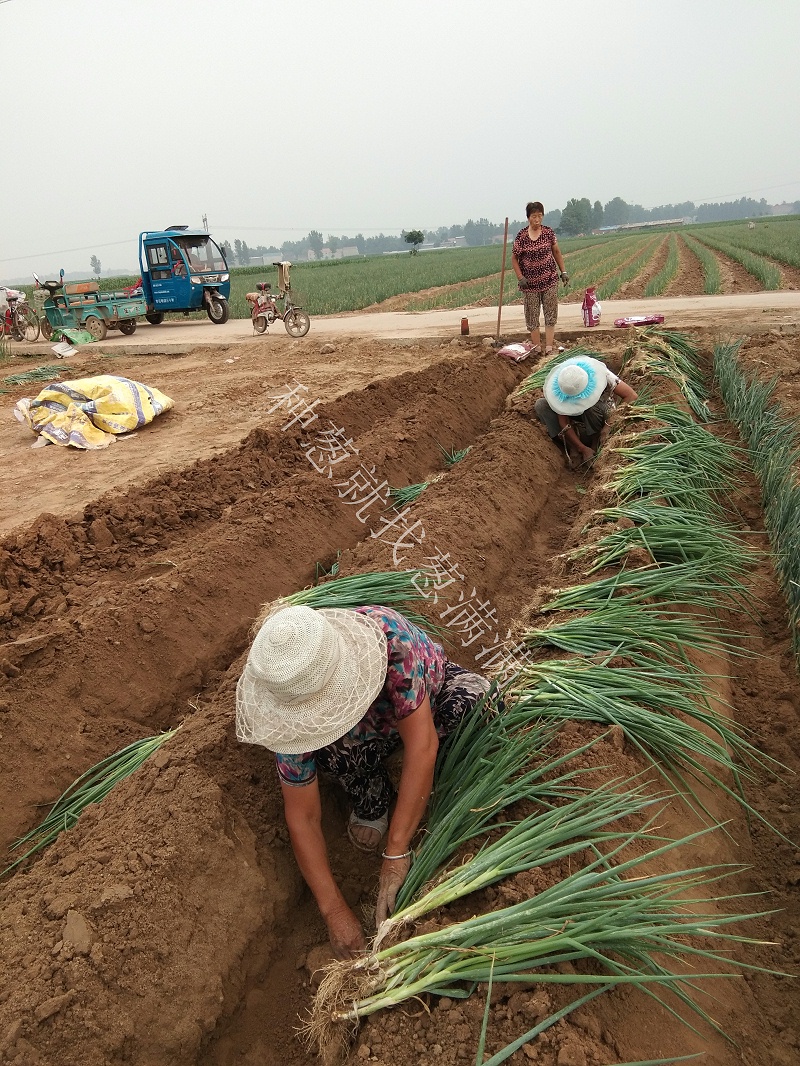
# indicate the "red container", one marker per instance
pixel 464 327
pixel 591 308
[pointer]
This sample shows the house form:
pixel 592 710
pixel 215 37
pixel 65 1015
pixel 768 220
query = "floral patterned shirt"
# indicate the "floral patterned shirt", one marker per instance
pixel 415 669
pixel 535 258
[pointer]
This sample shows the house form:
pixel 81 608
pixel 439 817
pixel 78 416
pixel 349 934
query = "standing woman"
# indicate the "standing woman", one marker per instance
pixel 535 257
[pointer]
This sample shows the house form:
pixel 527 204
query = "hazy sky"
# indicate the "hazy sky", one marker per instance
pixel 369 115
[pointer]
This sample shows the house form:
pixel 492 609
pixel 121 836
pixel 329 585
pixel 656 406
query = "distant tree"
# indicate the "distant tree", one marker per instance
pixel 616 212
pixel 227 251
pixel 237 251
pixel 414 237
pixel 95 262
pixel 551 219
pixel 597 215
pixel 576 217
pixel 244 258
pixel 315 242
pixel 333 242
pixel 725 212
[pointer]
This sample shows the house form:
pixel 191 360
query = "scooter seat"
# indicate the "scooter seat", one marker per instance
pixel 52 286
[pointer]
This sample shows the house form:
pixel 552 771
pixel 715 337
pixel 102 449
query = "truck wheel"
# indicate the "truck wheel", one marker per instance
pixel 128 327
pixel 297 323
pixel 96 326
pixel 217 310
pixel 47 329
pixel 156 318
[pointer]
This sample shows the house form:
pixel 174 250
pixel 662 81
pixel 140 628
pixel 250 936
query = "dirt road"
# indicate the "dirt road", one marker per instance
pixel 680 312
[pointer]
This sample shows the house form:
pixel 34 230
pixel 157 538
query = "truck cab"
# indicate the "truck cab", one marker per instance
pixel 183 270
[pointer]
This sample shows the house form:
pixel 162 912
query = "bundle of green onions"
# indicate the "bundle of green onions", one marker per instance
pixel 695 582
pixel 656 713
pixel 647 633
pixel 91 787
pixel 623 919
pixel 399 589
pixel 542 837
pixel 404 496
pixel 672 355
pixel 454 455
pixel 679 471
pixel 668 535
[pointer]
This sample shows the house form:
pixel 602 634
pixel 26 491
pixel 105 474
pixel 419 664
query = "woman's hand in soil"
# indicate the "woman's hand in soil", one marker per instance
pixel 393 874
pixel 345 933
pixel 586 453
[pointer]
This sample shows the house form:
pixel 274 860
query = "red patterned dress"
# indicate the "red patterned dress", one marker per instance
pixel 535 258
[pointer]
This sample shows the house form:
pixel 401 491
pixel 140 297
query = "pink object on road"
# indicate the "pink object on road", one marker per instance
pixel 638 320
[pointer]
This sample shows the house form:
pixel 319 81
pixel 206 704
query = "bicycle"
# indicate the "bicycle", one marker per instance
pixel 19 320
pixel 265 309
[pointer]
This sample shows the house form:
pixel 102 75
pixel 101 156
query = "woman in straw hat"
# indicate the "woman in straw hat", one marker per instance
pixel 578 397
pixel 339 690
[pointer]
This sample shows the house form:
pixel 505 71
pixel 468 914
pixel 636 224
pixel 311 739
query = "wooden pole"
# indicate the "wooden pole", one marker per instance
pixel 502 280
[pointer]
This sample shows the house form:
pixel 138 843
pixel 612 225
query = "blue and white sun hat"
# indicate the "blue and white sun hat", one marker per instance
pixel 575 385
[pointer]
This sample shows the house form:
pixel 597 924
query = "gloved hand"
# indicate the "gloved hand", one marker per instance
pixel 393 874
pixel 523 283
pixel 345 933
pixel 564 277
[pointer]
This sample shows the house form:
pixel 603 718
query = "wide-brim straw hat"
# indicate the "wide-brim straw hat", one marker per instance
pixel 309 678
pixel 575 385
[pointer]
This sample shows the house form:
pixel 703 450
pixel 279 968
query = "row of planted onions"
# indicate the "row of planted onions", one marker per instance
pixel 659 573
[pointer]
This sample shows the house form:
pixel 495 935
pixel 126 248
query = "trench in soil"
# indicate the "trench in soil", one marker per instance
pixel 204 937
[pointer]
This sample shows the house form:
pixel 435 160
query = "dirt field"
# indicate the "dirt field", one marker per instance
pixel 171 926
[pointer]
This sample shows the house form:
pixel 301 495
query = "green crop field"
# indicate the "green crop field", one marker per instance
pixel 776 238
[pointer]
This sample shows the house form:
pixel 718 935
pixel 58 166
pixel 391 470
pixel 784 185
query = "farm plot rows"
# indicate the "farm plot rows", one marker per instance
pixel 170 926
pixel 679 264
pixel 595 262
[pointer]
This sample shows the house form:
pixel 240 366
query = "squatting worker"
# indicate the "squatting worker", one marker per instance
pixel 535 257
pixel 338 691
pixel 578 397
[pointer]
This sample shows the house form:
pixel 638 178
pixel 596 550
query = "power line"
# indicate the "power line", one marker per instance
pixel 62 251
pixel 727 195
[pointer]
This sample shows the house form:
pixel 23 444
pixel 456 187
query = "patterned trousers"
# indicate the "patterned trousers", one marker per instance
pixel 534 300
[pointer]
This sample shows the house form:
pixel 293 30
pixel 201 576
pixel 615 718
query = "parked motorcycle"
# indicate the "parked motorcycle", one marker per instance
pixel 19 320
pixel 264 308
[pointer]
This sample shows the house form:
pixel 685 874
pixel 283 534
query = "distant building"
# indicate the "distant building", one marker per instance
pixel 311 255
pixel 326 253
pixel 347 252
pixel 785 208
pixel 454 242
pixel 658 224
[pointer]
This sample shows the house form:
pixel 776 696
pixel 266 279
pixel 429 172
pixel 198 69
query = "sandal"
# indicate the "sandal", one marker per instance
pixel 380 825
pixel 549 351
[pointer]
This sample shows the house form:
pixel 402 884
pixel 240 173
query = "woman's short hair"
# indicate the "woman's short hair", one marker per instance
pixel 534 205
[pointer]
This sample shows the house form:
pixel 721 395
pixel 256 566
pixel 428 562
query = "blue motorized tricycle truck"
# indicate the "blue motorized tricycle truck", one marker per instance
pixel 183 270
